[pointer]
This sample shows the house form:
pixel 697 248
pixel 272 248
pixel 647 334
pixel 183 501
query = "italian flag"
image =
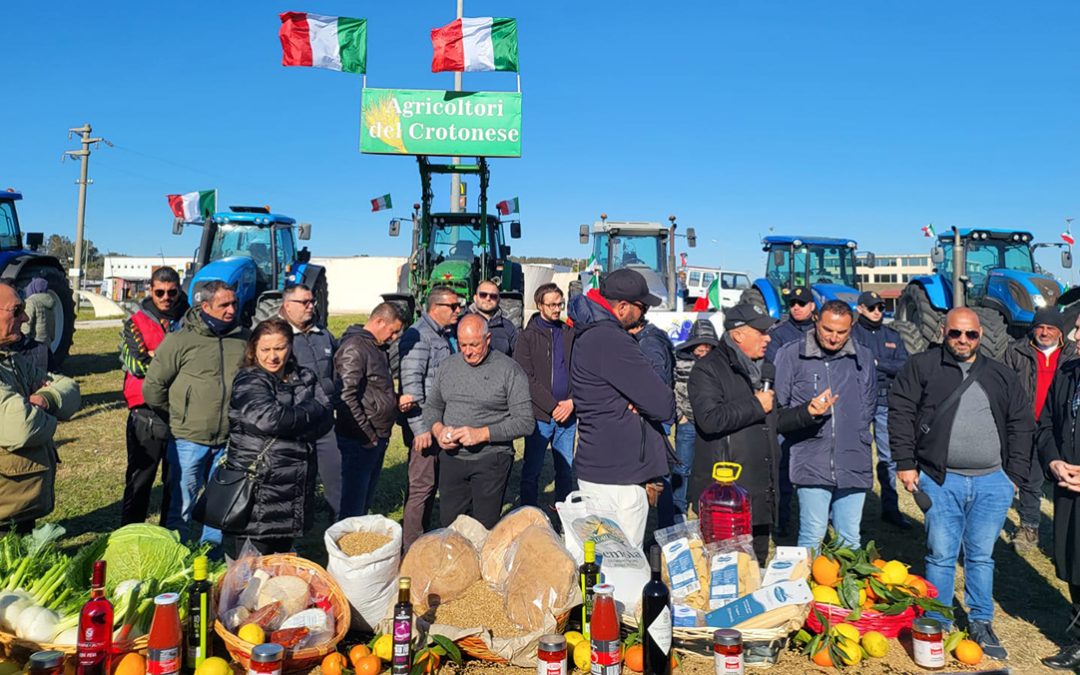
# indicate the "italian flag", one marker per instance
pixel 474 45
pixel 508 206
pixel 594 267
pixel 194 207
pixel 333 42
pixel 928 230
pixel 381 203
pixel 1067 237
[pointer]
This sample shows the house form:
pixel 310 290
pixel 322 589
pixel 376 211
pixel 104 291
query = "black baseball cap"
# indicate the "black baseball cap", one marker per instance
pixel 798 294
pixel 627 285
pixel 747 315
pixel 869 299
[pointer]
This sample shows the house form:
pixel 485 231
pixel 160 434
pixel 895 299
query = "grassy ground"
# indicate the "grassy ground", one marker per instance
pixel 1032 608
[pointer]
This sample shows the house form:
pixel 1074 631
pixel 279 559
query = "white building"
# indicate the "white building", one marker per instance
pixel 127 277
pixel 892 272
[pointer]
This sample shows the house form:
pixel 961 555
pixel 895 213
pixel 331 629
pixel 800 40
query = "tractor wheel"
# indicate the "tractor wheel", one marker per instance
pixel 514 310
pixel 914 342
pixel 753 296
pixel 575 288
pixel 268 306
pixel 63 310
pixel 321 291
pixel 914 307
pixel 995 339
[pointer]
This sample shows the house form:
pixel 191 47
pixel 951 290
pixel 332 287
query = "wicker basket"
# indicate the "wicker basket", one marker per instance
pixel 299 659
pixel 889 626
pixel 474 646
pixel 20 650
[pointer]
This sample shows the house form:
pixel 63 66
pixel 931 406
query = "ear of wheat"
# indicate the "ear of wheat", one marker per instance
pixel 383 114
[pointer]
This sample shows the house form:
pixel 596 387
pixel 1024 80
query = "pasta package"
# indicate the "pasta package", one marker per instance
pixel 685 567
pixel 733 571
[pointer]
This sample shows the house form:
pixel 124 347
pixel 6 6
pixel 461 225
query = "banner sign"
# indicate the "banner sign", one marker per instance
pixel 447 123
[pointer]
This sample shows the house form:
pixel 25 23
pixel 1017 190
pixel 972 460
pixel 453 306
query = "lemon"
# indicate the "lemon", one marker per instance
pixel 847 631
pixel 215 665
pixel 252 633
pixel 583 656
pixel 826 595
pixel 850 651
pixel 384 648
pixel 875 644
pixel 894 572
pixel 572 639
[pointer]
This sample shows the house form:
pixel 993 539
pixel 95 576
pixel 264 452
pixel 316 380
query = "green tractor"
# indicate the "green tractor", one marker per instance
pixel 458 250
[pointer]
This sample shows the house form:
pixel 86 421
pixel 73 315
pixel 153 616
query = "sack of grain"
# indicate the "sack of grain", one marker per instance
pixel 493 562
pixel 442 565
pixel 541 578
pixel 364 554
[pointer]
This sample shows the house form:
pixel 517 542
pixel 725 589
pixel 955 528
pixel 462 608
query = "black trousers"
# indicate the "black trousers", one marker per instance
pixel 761 535
pixel 264 546
pixel 147 440
pixel 475 487
pixel 1073 627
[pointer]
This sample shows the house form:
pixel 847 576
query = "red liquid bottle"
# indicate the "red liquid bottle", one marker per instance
pixel 724 507
pixel 165 639
pixel 604 632
pixel 95 628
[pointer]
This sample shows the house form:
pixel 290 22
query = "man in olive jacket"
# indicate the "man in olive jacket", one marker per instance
pixel 190 380
pixel 31 402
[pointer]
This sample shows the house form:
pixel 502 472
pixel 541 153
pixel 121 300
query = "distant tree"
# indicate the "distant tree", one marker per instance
pixel 63 249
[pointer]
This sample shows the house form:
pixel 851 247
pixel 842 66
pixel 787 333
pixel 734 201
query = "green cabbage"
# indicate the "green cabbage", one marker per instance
pixel 145 552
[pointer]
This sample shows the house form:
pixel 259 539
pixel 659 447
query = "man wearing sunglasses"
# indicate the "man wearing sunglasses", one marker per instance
pixel 961 429
pixel 621 402
pixel 800 320
pixel 1036 358
pixel 503 332
pixel 160 313
pixel 889 356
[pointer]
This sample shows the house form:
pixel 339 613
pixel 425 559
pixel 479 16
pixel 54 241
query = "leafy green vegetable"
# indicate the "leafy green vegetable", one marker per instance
pixel 145 552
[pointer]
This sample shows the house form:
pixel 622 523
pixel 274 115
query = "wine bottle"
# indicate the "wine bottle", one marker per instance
pixel 656 621
pixel 95 628
pixel 401 661
pixel 589 575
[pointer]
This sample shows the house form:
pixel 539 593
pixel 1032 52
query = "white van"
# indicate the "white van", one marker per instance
pixel 732 284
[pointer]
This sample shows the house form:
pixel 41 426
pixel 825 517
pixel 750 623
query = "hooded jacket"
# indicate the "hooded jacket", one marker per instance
pixel 191 378
pixel 834 452
pixel 40 305
pixel 27 453
pixel 367 406
pixel 608 373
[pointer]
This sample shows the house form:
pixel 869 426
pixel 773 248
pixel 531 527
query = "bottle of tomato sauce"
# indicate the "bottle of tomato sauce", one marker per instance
pixel 604 632
pixel 165 639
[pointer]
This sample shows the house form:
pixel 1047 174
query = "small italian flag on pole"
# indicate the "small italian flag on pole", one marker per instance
pixel 713 294
pixel 381 203
pixel 194 207
pixel 1067 237
pixel 475 45
pixel 928 230
pixel 508 206
pixel 594 267
pixel 332 42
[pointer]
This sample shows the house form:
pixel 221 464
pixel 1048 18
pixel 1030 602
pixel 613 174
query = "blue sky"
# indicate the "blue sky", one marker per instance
pixel 844 118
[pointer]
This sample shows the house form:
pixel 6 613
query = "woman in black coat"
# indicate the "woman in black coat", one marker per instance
pixel 1057 441
pixel 732 425
pixel 278 410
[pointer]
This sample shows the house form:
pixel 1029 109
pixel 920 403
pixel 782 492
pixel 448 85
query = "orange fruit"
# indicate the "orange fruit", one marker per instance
pixel 131 663
pixel 675 660
pixel 333 663
pixel 427 657
pixel 822 657
pixel 826 572
pixel 916 586
pixel 879 563
pixel 969 652
pixel 368 664
pixel 634 658
pixel 356 653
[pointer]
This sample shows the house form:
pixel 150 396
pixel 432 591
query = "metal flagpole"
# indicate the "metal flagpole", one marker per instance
pixel 455 179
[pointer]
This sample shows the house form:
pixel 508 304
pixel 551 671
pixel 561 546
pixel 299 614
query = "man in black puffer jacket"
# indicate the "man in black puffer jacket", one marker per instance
pixel 367 406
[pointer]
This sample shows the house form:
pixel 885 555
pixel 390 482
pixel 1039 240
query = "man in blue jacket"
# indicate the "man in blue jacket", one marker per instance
pixel 621 402
pixel 889 357
pixel 800 321
pixel 831 465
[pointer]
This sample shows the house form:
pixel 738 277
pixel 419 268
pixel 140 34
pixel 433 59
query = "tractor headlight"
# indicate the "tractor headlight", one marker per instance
pixel 1038 300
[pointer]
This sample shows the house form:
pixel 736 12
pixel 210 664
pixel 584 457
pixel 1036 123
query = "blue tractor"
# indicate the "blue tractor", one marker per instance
pixel 20 265
pixel 991 271
pixel 823 264
pixel 255 251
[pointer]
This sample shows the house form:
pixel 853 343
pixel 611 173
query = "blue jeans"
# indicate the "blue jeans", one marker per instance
pixel 360 469
pixel 671 505
pixel 968 511
pixel 190 464
pixel 561 439
pixel 886 467
pixel 817 505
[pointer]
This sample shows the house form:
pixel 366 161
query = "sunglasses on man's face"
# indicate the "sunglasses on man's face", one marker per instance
pixel 162 292
pixel 797 303
pixel 955 333
pixel 484 295
pixel 877 308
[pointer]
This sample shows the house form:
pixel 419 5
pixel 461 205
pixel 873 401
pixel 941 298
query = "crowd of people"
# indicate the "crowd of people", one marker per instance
pixel 814 407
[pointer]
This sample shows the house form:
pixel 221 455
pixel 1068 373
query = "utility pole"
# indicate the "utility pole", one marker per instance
pixel 455 178
pixel 84 157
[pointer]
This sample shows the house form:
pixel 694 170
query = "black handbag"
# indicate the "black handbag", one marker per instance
pixel 226 501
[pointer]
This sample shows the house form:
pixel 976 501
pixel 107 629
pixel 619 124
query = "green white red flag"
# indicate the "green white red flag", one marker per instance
pixel 508 206
pixel 594 267
pixel 194 207
pixel 713 294
pixel 332 42
pixel 381 203
pixel 928 230
pixel 475 45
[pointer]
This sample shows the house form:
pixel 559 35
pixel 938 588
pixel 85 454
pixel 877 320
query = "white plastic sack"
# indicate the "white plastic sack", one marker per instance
pixel 586 515
pixel 369 581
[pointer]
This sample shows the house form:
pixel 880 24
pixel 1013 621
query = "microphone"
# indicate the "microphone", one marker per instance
pixel 768 375
pixel 922 500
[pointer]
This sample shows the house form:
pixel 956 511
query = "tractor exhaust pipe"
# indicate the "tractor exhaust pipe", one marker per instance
pixel 959 264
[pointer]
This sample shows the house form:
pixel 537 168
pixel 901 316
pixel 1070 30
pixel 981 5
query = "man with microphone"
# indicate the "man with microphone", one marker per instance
pixel 737 419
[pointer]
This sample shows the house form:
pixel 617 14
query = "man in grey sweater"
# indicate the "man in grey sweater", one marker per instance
pixel 478 405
